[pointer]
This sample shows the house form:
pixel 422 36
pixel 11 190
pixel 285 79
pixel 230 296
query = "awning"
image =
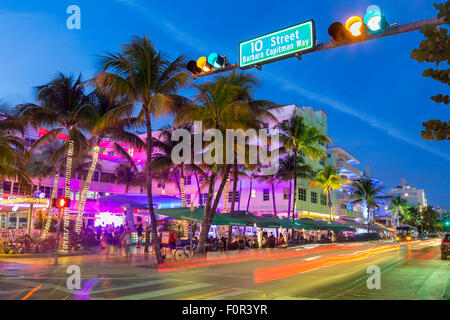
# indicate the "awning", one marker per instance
pixel 139 201
pixel 197 216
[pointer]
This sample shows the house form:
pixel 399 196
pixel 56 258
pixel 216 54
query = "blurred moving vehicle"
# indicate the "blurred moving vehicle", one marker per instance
pixel 445 246
pixel 403 237
pixel 422 236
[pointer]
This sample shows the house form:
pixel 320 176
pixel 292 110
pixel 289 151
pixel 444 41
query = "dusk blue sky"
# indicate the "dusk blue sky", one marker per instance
pixel 373 92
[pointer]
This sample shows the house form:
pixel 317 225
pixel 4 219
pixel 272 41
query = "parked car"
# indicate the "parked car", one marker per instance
pixel 445 246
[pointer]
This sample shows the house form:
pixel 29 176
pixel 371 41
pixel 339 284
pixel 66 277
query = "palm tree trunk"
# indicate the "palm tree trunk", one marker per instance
pixel 148 178
pixel 273 200
pixel 329 204
pixel 290 197
pixel 211 211
pixel 200 201
pixel 183 201
pixel 233 199
pixel 295 186
pixel 50 211
pixel 225 205
pixel 1 189
pixel 240 194
pixel 65 245
pixel 86 186
pixel 368 218
pixel 250 193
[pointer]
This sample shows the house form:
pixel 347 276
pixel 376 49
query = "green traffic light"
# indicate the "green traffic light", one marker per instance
pixel 374 19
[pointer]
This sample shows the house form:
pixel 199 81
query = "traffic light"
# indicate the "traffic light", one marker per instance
pixel 61 202
pixel 205 65
pixel 338 32
pixel 356 28
pixel 374 19
pixel 192 67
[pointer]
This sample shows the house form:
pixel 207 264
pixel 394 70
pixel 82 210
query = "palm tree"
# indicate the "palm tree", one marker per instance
pixel 329 179
pixel 145 77
pixel 398 207
pixel 365 191
pixel 110 120
pixel 12 150
pixel 286 172
pixel 296 136
pixel 127 175
pixel 216 105
pixel 64 107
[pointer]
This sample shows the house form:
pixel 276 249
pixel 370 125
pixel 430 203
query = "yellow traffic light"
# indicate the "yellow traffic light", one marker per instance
pixel 203 64
pixel 355 26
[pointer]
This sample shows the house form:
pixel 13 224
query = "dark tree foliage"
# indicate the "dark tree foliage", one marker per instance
pixel 435 48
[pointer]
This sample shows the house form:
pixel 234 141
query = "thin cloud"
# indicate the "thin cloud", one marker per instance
pixel 364 117
pixel 165 25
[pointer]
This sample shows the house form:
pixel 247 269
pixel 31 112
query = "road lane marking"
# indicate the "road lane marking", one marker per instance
pixel 144 284
pixel 31 292
pixel 162 292
pixel 212 293
pixel 313 258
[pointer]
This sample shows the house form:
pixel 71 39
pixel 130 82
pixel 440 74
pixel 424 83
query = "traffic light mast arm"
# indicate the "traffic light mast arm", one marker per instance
pixel 413 26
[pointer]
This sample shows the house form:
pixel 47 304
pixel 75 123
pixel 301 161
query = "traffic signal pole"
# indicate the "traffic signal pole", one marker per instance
pixel 58 226
pixel 413 26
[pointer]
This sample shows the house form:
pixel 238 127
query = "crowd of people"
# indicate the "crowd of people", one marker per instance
pixel 116 240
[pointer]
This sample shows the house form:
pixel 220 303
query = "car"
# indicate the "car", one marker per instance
pixel 445 246
pixel 422 236
pixel 403 237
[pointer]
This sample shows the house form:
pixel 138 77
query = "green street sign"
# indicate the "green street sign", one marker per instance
pixel 277 45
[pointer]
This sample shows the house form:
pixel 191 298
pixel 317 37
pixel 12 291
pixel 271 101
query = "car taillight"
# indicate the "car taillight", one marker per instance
pixel 445 242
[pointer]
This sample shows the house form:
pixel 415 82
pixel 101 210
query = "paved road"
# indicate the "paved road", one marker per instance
pixel 408 271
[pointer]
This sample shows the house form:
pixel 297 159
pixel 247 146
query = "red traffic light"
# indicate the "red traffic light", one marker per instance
pixel 61 202
pixel 338 32
pixel 192 67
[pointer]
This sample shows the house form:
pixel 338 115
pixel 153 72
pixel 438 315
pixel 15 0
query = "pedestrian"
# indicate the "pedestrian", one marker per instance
pixel 139 231
pixel 125 239
pixel 108 243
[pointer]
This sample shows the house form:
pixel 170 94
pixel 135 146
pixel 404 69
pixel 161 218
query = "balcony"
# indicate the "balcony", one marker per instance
pixel 347 168
pixel 349 213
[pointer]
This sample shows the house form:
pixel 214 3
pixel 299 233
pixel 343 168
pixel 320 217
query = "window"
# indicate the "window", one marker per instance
pixel 322 162
pixel 266 195
pixel 7 186
pixel 313 197
pixel 253 193
pixel 230 196
pixel 286 194
pixel 204 197
pixel 61 174
pixel 96 176
pixel 323 199
pixel 101 194
pixel 161 184
pixel 60 192
pixel 77 195
pixel 343 206
pixel 16 188
pixel 301 194
pixel 188 180
pixel 188 199
pixel 110 153
pixel 131 152
pixel 266 127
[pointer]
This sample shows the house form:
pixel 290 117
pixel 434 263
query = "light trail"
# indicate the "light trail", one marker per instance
pixel 177 266
pixel 274 273
pixel 31 292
